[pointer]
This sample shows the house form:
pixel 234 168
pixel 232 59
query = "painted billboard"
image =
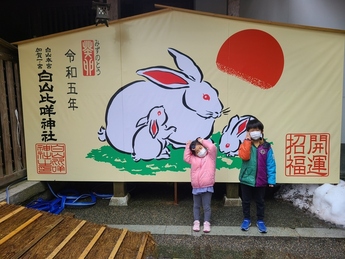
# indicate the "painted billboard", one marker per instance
pixel 119 103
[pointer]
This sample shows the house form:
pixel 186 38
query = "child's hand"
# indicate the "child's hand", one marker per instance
pixel 200 140
pixel 188 142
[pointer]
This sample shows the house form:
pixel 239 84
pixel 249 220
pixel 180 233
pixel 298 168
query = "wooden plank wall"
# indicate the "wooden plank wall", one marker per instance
pixel 12 149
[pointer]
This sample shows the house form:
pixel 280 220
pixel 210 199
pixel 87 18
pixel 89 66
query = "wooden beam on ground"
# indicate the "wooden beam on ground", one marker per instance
pixel 11 214
pixel 142 247
pixel 18 229
pixel 20 253
pixel 118 244
pixel 92 243
pixel 66 240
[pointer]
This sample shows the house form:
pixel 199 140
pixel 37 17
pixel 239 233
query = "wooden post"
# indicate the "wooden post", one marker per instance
pixel 119 189
pixel 175 194
pixel 234 8
pixel 120 195
pixel 232 195
pixel 114 9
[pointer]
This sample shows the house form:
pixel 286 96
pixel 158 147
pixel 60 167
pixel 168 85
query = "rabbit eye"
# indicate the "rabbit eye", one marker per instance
pixel 206 97
pixel 159 113
pixel 227 145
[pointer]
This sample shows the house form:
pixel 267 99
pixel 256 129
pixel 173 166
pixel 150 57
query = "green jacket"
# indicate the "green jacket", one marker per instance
pixel 258 165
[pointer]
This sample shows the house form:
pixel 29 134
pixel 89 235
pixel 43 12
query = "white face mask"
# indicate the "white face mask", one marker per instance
pixel 202 152
pixel 255 135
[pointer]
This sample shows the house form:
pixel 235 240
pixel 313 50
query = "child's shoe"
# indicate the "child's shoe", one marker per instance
pixel 207 227
pixel 245 224
pixel 196 226
pixel 261 226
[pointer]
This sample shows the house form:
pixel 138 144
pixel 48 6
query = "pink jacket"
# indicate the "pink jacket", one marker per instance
pixel 203 170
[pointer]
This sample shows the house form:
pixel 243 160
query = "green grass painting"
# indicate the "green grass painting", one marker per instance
pixel 124 162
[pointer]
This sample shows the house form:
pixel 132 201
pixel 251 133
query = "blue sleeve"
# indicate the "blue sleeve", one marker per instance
pixel 271 167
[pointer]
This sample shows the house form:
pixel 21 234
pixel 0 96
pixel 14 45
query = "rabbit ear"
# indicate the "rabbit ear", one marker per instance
pixel 165 77
pixel 186 65
pixel 242 124
pixel 241 127
pixel 232 123
pixel 153 128
pixel 143 121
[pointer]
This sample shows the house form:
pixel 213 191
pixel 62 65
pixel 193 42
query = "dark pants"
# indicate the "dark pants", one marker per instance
pixel 256 193
pixel 204 200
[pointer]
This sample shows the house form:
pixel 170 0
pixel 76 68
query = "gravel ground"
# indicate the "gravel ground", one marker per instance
pixel 153 204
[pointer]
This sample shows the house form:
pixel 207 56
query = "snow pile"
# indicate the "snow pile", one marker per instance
pixel 329 203
pixel 326 201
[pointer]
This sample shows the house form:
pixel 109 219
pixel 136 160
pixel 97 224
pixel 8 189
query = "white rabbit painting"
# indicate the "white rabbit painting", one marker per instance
pixel 151 139
pixel 233 134
pixel 191 103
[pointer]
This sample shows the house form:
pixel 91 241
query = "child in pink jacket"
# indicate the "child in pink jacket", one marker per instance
pixel 201 154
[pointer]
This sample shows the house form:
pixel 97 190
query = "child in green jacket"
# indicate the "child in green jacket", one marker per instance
pixel 257 172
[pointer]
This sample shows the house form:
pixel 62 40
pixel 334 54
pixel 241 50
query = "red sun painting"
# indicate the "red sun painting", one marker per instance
pixel 254 56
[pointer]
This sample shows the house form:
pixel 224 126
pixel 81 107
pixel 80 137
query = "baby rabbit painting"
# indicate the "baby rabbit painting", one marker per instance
pixel 151 139
pixel 233 134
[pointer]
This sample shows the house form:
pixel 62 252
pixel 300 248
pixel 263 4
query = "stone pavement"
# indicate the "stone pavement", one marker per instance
pixel 236 231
